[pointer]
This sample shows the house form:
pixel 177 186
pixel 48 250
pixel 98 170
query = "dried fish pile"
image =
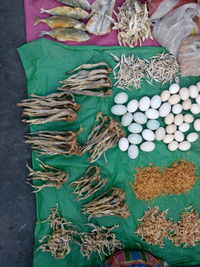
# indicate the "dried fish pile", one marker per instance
pixel 55 143
pixel 133 23
pixel 50 108
pixel 89 183
pixel 111 203
pixel 52 177
pixel 104 135
pixel 88 79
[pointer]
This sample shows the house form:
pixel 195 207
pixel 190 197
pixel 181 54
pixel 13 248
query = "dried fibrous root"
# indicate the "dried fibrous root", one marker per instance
pixel 111 203
pixel 55 143
pixel 89 183
pixel 154 226
pixel 133 23
pixel 100 240
pixel 88 79
pixel 52 177
pixel 104 135
pixel 50 108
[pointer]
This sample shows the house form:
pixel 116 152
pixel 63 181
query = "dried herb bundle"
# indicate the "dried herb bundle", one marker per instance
pixel 105 134
pixel 88 80
pixel 51 176
pixel 55 143
pixel 111 203
pixel 50 108
pixel 89 183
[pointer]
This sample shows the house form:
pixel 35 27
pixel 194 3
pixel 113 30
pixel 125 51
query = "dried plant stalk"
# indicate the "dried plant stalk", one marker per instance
pixel 111 203
pixel 89 183
pixel 105 134
pixel 50 108
pixel 88 80
pixel 55 143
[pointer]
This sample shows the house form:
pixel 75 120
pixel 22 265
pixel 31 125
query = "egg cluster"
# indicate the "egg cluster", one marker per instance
pixel 141 118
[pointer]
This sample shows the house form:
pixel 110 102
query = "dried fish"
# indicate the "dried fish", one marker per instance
pixel 76 3
pixel 111 203
pixel 105 134
pixel 89 77
pixel 50 108
pixel 89 183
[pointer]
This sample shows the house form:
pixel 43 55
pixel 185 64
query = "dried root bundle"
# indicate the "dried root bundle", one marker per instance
pixel 50 108
pixel 111 203
pixel 105 134
pixel 88 79
pixel 52 177
pixel 89 183
pixel 55 143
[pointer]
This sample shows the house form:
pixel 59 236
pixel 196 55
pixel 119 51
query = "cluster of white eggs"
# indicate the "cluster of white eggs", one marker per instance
pixel 141 119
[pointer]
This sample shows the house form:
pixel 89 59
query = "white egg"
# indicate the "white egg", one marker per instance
pixel 152 114
pixel 186 104
pixel 188 118
pixel 178 136
pixel 165 95
pixel 147 146
pixel 195 108
pixel 118 109
pixel 184 146
pixel 184 127
pixel 184 93
pixel 178 119
pixel 197 99
pixel 173 146
pixel 194 91
pixel 192 137
pixel 133 152
pixel 135 128
pixel 197 125
pixel 164 109
pixel 121 98
pixel 148 135
pixel 170 129
pixel 132 106
pixel 153 124
pixel 174 99
pixel 144 103
pixel 135 139
pixel 126 119
pixel 160 133
pixel 169 119
pixel 174 88
pixel 198 85
pixel 123 144
pixel 139 117
pixel 176 109
pixel 155 101
pixel 168 138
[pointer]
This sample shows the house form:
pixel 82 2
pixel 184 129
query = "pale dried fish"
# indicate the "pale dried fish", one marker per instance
pixel 76 3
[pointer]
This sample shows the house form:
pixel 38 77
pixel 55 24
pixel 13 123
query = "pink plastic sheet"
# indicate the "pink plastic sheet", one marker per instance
pixel 32 10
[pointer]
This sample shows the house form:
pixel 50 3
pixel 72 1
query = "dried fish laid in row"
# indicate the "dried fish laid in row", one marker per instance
pixel 104 135
pixel 52 177
pixel 55 143
pixel 111 203
pixel 88 79
pixel 89 183
pixel 50 108
pixel 133 23
pixel 84 4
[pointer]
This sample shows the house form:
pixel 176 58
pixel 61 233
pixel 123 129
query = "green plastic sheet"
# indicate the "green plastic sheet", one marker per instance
pixel 45 62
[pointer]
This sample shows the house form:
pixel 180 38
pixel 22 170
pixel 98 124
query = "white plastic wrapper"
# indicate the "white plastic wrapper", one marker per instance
pixel 164 7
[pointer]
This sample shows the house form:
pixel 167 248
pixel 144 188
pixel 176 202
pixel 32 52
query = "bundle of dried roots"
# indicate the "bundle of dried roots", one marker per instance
pixel 111 203
pixel 51 176
pixel 50 108
pixel 89 183
pixel 89 79
pixel 105 134
pixel 55 143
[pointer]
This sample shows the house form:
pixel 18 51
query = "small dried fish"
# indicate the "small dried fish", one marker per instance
pixel 65 34
pixel 105 134
pixel 89 183
pixel 76 13
pixel 111 203
pixel 76 3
